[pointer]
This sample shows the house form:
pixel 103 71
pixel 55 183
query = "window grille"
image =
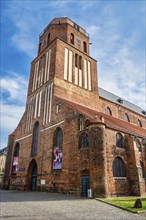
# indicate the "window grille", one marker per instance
pixel 119 168
pixel 83 140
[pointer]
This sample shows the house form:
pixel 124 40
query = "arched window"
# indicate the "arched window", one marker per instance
pixel 84 47
pixel 58 108
pixel 42 68
pixel 76 60
pixel 81 123
pixel 58 135
pixel 72 38
pixel 83 140
pixel 48 39
pixel 57 149
pixel 15 159
pixel 119 168
pixel 80 62
pixel 44 42
pixel 35 139
pixel 16 151
pixel 126 117
pixel 119 140
pixel 39 50
pixel 108 111
pixel 87 122
pixel 139 123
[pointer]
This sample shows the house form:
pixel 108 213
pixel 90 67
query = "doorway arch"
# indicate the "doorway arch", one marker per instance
pixel 31 183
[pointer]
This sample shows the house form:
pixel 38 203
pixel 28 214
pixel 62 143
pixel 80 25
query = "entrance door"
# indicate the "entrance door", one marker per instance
pixel 85 185
pixel 34 178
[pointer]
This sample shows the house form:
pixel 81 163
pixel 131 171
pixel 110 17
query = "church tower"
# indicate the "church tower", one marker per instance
pixel 63 63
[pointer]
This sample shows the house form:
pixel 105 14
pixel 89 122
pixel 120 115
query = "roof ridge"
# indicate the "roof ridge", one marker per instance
pixel 126 101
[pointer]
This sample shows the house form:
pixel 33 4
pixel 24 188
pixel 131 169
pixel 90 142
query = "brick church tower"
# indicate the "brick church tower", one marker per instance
pixel 63 59
pixel 65 139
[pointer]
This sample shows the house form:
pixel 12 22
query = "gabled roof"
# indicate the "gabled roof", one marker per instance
pixel 3 151
pixel 120 101
pixel 108 120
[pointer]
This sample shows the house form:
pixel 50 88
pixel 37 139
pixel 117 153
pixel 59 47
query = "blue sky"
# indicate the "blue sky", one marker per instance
pixel 117 32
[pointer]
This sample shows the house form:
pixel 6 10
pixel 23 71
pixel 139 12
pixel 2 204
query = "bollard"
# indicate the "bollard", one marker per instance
pixel 138 203
pixel 89 192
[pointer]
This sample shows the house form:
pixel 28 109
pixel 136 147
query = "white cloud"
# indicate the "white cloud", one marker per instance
pixel 121 65
pixel 10 116
pixel 86 5
pixel 93 30
pixel 59 4
pixel 124 76
pixel 24 44
pixel 13 88
pixel 30 18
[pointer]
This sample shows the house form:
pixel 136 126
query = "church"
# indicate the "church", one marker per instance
pixel 74 136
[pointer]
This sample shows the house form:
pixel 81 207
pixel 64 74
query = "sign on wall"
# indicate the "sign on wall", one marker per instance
pixel 21 169
pixel 43 182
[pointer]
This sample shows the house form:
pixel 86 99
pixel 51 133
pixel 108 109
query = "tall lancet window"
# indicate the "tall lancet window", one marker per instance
pixel 35 139
pixel 72 38
pixel 84 47
pixel 119 168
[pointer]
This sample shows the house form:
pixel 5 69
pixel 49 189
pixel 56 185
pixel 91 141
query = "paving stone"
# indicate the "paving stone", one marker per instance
pixel 18 205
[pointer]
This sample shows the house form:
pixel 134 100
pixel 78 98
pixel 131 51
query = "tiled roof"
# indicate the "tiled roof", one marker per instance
pixel 108 120
pixel 116 99
pixel 124 126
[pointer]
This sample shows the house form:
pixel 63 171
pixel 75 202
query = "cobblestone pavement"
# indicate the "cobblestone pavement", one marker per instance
pixel 50 206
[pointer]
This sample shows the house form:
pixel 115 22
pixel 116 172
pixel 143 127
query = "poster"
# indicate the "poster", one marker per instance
pixel 57 158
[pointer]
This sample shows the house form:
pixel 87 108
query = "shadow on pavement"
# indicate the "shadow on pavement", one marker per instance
pixel 21 196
